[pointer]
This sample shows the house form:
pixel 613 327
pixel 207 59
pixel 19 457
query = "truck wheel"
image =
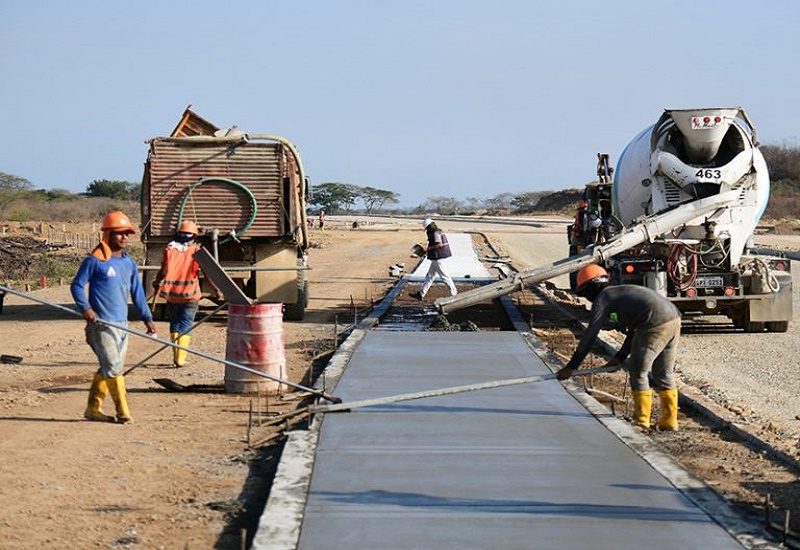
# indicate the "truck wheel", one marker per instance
pixel 753 326
pixel 777 326
pixel 297 311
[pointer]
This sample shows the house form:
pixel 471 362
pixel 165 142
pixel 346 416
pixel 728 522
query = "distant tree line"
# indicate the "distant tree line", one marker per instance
pixel 498 205
pixel 20 201
pixel 335 198
pixel 784 171
pixel 345 198
pixel 114 189
pixel 783 162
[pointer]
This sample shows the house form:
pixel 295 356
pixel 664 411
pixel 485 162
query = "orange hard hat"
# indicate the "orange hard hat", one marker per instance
pixel 582 204
pixel 592 274
pixel 118 222
pixel 188 226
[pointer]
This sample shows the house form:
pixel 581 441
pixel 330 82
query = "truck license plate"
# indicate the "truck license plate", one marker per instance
pixel 709 282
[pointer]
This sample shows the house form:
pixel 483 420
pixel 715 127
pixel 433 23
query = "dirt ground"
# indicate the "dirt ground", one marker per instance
pixel 743 471
pixel 192 470
pixel 182 475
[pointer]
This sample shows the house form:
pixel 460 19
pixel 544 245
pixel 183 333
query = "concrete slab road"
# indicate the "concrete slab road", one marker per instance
pixel 516 467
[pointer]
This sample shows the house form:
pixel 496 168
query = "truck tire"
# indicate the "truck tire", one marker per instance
pixel 753 326
pixel 777 326
pixel 297 310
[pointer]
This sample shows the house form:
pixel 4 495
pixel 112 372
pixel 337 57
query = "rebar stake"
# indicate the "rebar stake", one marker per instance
pixel 249 422
pixel 767 507
pixel 785 537
pixel 335 332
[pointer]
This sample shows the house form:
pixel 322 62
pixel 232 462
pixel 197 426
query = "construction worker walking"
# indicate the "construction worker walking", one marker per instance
pixel 652 325
pixel 438 249
pixel 178 283
pixel 112 276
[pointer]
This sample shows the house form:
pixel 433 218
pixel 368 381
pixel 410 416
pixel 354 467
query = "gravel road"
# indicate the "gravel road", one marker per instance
pixel 754 375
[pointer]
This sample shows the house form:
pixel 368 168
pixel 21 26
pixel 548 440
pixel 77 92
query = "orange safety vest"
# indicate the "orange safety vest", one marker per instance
pixel 180 284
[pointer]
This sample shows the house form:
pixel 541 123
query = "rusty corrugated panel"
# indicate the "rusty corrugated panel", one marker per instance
pixel 237 176
pixel 192 124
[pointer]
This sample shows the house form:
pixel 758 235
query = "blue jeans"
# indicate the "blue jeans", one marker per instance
pixel 181 316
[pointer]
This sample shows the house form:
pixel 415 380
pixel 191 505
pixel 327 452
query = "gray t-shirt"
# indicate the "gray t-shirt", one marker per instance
pixel 632 308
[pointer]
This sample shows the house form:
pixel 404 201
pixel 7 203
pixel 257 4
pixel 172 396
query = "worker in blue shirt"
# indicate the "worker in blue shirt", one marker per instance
pixel 112 276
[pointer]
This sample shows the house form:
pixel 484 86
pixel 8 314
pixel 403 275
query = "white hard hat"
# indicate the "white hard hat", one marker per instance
pixel 426 222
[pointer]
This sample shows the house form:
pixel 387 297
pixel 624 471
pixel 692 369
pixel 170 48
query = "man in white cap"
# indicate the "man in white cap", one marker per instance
pixel 438 249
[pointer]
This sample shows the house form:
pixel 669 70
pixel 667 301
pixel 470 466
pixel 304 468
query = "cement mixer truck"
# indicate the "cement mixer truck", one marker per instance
pixel 687 195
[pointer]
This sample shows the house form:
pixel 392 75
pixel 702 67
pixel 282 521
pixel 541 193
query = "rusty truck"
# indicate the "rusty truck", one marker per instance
pixel 247 194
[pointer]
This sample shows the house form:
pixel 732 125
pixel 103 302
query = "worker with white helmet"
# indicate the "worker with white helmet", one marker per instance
pixel 179 284
pixel 652 325
pixel 112 276
pixel 438 250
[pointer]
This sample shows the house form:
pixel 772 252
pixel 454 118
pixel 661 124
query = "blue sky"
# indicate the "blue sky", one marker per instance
pixel 453 98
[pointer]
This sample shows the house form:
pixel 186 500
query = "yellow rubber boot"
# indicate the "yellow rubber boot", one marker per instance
pixel 642 403
pixel 173 337
pixel 97 393
pixel 669 410
pixel 180 355
pixel 120 396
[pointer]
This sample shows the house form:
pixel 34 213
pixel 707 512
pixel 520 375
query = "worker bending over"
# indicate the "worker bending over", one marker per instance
pixel 112 276
pixel 652 325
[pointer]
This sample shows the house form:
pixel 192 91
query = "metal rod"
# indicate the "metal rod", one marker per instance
pixel 162 348
pixel 768 508
pixel 451 390
pixel 786 515
pixel 240 268
pixel 249 422
pixel 208 356
pixel 266 268
pixel 613 398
